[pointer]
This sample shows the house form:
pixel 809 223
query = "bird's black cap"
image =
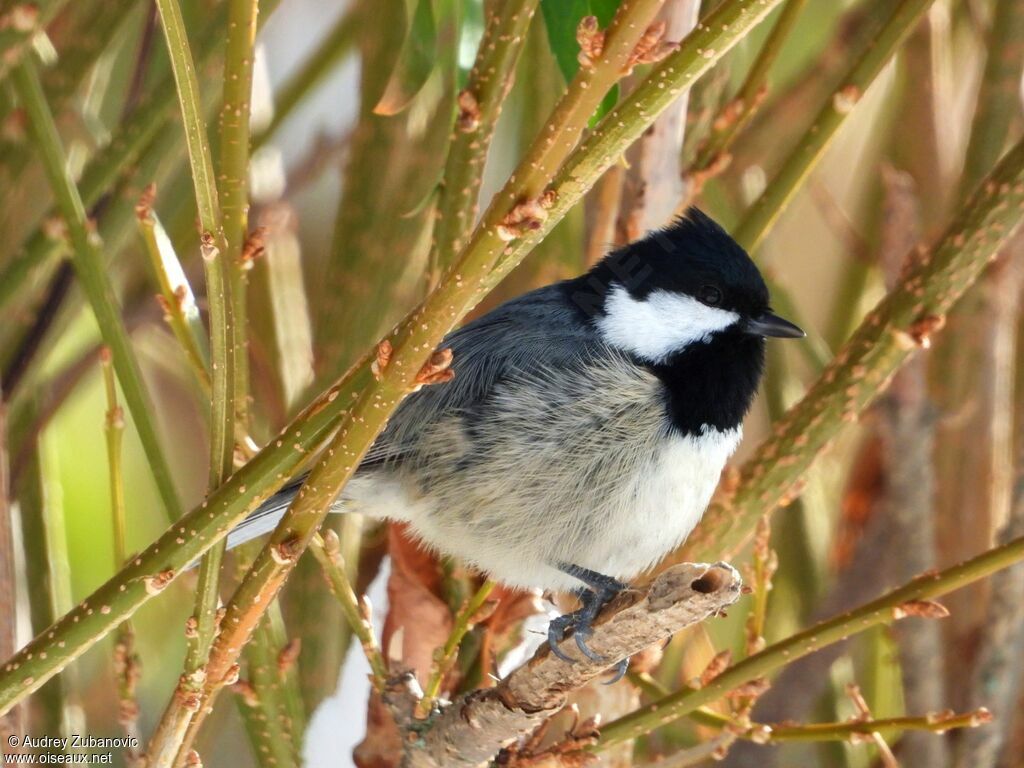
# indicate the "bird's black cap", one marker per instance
pixel 689 255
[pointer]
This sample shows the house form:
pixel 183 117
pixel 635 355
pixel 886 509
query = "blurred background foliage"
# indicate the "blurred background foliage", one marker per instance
pixel 352 111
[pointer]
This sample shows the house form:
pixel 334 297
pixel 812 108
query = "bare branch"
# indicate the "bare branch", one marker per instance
pixel 474 728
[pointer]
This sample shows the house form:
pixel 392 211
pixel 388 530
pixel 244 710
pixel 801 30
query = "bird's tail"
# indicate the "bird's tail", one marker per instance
pixel 266 517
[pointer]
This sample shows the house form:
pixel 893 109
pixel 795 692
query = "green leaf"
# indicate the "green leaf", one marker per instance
pixel 561 18
pixel 415 60
pixel 604 10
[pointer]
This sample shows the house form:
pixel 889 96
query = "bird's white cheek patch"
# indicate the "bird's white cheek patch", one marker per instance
pixel 660 324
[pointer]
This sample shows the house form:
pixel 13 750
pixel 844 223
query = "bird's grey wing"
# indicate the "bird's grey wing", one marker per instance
pixel 539 330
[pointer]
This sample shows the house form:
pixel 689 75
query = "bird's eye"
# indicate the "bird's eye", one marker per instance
pixel 710 295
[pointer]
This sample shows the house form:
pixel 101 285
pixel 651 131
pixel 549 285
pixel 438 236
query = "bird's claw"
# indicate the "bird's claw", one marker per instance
pixel 601 590
pixel 556 634
pixel 581 630
pixel 620 671
pixel 580 635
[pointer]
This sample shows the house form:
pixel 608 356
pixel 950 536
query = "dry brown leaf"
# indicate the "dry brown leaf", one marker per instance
pixel 415 603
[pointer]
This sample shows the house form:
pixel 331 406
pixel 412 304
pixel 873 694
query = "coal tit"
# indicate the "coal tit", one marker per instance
pixel 587 424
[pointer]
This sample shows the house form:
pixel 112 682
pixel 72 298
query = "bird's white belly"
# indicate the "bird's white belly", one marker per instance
pixel 602 484
pixel 662 503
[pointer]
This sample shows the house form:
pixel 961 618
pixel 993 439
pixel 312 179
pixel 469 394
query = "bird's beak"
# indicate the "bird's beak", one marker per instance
pixel 770 324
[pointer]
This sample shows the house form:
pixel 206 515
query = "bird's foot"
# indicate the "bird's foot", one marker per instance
pixel 556 634
pixel 580 622
pixel 581 633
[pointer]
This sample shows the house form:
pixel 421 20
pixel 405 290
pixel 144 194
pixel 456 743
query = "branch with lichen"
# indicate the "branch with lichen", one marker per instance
pixel 358 396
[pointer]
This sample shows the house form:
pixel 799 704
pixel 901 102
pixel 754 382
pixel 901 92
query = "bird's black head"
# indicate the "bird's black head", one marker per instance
pixel 696 257
pixel 690 303
pixel 677 286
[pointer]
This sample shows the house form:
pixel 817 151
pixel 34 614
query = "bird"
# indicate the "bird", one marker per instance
pixel 586 426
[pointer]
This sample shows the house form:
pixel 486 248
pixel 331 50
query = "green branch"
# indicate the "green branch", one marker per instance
pixel 520 208
pixel 83 32
pixel 714 37
pixel 852 730
pixel 45 551
pixel 713 156
pixel 93 276
pixel 767 733
pixel 174 723
pixel 127 145
pixel 106 166
pixel 126 661
pixel 176 296
pixel 802 160
pixel 187 82
pixel 149 573
pixel 327 552
pixel 896 604
pixel 479 107
pixel 999 96
pixel 114 430
pixel 358 397
pixel 234 188
pixel 273 730
pixel 464 621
